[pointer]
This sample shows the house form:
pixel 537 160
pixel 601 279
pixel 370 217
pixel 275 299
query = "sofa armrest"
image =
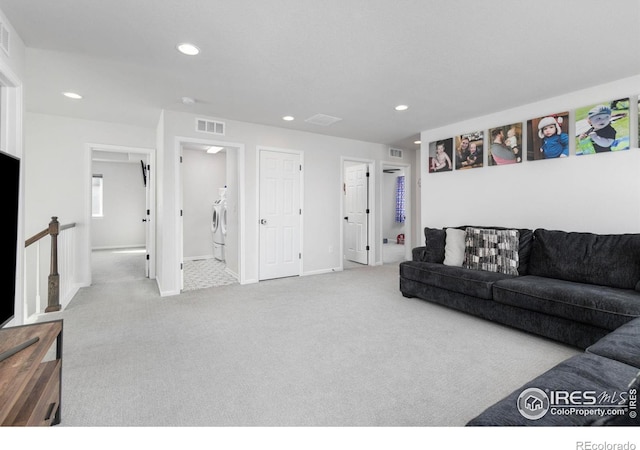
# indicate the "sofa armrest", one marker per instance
pixel 419 254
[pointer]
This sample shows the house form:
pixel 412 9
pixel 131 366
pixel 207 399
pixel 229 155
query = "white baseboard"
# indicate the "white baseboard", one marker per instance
pixel 321 271
pixel 117 247
pixel 196 258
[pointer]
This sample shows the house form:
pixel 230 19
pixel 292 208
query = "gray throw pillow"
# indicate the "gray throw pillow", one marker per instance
pixel 492 250
pixel 435 241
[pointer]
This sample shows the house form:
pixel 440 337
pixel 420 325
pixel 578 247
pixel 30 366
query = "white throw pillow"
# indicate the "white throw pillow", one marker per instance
pixel 454 247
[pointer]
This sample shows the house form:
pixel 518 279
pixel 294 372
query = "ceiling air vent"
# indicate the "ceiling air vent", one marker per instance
pixel 4 38
pixel 395 152
pixel 323 120
pixel 210 126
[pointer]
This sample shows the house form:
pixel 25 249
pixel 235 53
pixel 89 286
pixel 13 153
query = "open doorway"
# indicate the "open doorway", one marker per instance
pixel 395 214
pixel 121 215
pixel 209 225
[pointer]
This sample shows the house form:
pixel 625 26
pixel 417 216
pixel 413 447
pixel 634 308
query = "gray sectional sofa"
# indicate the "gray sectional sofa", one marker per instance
pixel 571 287
pixel 597 387
pixel 582 289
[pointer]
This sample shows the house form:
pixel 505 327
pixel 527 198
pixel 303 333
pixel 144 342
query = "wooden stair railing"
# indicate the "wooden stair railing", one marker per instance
pixel 54 229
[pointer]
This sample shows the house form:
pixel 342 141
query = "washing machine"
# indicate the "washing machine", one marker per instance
pixel 219 228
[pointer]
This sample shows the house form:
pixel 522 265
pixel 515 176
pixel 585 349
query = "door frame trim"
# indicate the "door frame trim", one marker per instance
pixel 239 148
pixel 151 160
pixel 371 222
pixel 300 153
pixel 408 242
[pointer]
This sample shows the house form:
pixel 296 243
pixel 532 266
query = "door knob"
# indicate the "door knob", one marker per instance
pixel 263 221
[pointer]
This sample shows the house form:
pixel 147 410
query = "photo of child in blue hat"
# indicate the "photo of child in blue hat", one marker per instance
pixel 548 137
pixel 604 129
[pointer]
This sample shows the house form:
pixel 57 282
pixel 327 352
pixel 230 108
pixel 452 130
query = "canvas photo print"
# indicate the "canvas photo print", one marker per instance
pixel 441 156
pixel 468 153
pixel 547 137
pixel 602 127
pixel 505 145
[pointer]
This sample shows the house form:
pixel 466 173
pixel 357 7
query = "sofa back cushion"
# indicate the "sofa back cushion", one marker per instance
pixel 434 239
pixel 604 259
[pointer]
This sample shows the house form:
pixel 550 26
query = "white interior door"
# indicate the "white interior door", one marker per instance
pixel 356 210
pixel 280 213
pixel 146 173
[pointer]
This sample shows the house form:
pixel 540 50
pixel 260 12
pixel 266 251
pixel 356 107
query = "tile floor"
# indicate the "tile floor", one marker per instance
pixel 205 273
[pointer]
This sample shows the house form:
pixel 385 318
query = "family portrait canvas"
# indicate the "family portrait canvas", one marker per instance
pixel 441 156
pixel 547 137
pixel 602 127
pixel 505 144
pixel 469 150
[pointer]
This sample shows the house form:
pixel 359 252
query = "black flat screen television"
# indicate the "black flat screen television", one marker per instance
pixel 10 179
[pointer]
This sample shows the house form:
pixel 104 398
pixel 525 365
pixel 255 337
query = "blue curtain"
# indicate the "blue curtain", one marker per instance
pixel 400 212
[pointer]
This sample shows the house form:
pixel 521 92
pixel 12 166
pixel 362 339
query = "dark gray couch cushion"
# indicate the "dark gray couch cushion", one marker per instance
pixel 476 283
pixel 584 372
pixel 622 344
pixel 608 260
pixel 626 420
pixel 600 306
pixel 435 239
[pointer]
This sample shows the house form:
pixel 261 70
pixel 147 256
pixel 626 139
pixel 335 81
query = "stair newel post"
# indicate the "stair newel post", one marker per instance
pixel 54 278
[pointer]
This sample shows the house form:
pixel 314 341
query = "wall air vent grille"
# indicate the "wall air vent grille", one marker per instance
pixel 395 153
pixel 4 38
pixel 210 126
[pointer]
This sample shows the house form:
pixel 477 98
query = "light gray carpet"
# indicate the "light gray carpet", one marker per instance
pixel 341 349
pixel 117 265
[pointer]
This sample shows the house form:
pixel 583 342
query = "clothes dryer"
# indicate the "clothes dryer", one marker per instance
pixel 218 228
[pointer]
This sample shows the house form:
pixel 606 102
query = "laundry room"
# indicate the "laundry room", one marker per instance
pixel 204 213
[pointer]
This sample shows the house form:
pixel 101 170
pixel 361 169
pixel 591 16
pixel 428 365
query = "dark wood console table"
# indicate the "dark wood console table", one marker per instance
pixel 30 378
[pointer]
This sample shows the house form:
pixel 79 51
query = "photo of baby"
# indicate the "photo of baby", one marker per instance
pixel 505 146
pixel 469 150
pixel 547 137
pixel 603 127
pixel 440 156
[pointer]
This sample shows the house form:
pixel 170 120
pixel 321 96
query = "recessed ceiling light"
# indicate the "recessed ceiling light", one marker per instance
pixel 288 118
pixel 417 142
pixel 188 100
pixel 188 49
pixel 72 95
pixel 402 108
pixel 214 149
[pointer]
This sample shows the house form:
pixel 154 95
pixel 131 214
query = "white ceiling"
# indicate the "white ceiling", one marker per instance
pixel 353 59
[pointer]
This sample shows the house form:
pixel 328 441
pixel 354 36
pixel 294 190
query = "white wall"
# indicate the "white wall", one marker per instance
pixel 15 60
pixel 322 217
pixel 594 193
pixel 124 205
pixel 205 174
pixel 57 178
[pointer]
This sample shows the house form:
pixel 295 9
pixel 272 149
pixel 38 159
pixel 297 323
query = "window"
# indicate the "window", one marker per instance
pixel 96 196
